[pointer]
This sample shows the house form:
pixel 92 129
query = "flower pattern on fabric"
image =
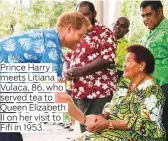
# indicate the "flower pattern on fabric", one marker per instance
pixel 144 85
pixel 157 42
pixel 122 92
pixel 155 115
pixel 106 108
pixel 144 121
pixel 35 46
pixel 99 42
pixel 150 102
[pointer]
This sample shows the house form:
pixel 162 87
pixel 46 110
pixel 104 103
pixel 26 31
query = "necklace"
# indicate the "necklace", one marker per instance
pixel 130 90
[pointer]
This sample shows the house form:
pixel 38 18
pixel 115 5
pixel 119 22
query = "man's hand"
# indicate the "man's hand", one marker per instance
pixel 90 119
pixel 76 72
pixel 68 76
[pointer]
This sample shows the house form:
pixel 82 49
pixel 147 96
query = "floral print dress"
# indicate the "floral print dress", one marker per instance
pixel 141 110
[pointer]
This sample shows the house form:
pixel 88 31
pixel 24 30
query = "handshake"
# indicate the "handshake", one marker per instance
pixel 97 123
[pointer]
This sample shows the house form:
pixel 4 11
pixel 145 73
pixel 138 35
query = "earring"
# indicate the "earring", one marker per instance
pixel 141 69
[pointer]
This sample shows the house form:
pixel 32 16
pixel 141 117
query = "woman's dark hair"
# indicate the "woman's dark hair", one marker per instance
pixel 89 4
pixel 154 4
pixel 143 54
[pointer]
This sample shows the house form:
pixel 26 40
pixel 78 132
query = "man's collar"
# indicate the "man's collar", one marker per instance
pixel 161 25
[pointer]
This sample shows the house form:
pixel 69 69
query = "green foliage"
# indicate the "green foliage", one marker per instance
pixel 17 17
pixel 131 9
pixel 7 18
pixel 38 15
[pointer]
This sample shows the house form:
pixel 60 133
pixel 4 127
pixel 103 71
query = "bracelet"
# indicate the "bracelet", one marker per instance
pixel 111 126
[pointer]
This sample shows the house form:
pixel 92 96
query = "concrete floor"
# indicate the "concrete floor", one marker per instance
pixel 53 133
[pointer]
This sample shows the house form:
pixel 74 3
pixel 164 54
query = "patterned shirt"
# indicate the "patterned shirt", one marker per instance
pixel 157 42
pixel 121 53
pixel 99 42
pixel 35 46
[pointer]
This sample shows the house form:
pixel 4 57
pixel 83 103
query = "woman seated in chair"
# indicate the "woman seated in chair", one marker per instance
pixel 135 111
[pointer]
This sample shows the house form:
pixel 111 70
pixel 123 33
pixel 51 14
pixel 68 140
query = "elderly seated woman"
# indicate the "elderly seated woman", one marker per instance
pixel 135 111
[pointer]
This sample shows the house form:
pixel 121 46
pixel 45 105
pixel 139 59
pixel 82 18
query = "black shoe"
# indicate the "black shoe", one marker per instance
pixel 61 123
pixel 66 126
pixel 71 129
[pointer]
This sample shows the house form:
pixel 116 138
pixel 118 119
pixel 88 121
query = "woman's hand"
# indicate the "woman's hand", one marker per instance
pixel 99 125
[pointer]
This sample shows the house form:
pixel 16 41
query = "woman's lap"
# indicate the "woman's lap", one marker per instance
pixel 115 135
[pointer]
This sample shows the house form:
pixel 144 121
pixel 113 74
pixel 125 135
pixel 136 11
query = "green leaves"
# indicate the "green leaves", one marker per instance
pixel 20 16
